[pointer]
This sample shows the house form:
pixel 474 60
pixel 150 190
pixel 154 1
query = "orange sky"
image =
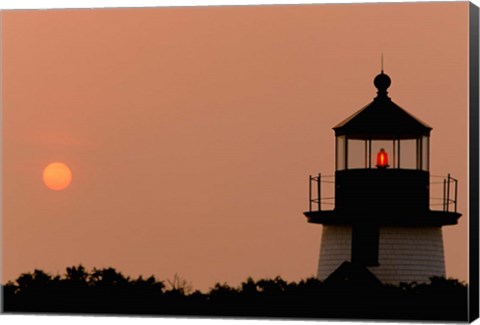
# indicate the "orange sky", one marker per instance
pixel 191 132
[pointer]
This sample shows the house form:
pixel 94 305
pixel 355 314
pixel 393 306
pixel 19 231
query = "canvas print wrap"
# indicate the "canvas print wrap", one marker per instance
pixel 306 161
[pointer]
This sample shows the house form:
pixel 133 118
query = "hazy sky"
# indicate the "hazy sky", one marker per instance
pixel 191 132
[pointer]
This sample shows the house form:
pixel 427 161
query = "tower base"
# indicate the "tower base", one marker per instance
pixel 405 254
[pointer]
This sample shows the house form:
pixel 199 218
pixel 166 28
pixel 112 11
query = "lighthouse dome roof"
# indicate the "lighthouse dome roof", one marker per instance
pixel 382 118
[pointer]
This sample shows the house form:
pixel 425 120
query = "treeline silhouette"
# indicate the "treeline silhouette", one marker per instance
pixel 107 291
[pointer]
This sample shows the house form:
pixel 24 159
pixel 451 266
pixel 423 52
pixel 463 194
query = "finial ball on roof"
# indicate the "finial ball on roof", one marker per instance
pixel 382 82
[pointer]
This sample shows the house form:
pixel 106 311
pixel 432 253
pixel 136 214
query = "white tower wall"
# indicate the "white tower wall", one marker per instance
pixel 335 248
pixel 406 254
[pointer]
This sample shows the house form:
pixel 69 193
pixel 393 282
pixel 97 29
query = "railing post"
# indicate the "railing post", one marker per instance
pixel 318 191
pixel 455 203
pixel 448 191
pixel 444 192
pixel 310 193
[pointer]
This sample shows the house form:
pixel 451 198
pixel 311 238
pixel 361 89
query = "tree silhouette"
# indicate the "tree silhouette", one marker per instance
pixel 180 286
pixel 76 274
pixel 107 291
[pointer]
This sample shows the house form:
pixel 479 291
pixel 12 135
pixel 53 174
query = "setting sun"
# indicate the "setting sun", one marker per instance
pixel 57 176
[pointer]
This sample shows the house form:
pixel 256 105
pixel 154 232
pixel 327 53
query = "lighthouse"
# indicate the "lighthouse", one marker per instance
pixel 381 214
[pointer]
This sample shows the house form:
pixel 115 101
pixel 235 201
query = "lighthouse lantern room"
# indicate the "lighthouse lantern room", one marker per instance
pixel 382 218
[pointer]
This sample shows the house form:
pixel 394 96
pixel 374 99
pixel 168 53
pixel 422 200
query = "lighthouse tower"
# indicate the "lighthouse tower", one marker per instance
pixel 383 217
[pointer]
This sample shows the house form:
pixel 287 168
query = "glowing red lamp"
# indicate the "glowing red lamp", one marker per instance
pixel 382 159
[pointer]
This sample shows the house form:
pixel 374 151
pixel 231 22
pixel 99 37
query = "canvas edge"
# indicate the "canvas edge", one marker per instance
pixel 473 308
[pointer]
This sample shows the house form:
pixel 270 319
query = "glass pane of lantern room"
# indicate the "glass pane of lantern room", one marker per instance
pixel 357 154
pixel 425 153
pixel 408 154
pixel 387 146
pixel 340 152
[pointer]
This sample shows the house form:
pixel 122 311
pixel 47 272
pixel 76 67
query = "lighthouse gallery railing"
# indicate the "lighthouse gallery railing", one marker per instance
pixel 449 188
pixel 443 192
